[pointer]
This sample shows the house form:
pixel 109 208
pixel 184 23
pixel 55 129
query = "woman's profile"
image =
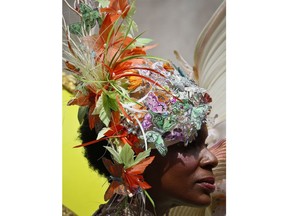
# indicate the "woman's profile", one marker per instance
pixel 144 121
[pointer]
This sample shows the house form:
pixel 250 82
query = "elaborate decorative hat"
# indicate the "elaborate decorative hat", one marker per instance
pixel 134 101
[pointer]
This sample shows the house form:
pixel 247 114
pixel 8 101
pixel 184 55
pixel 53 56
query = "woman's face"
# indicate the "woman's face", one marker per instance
pixel 184 176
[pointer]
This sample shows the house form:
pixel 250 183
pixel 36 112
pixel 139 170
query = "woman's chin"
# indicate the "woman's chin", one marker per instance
pixel 202 201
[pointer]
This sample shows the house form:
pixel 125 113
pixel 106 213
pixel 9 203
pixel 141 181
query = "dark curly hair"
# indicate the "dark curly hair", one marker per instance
pixel 94 152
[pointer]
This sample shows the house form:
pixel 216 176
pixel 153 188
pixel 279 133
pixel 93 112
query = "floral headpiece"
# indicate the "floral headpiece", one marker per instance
pixel 134 101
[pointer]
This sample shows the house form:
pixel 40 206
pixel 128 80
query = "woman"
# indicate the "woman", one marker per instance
pixel 138 112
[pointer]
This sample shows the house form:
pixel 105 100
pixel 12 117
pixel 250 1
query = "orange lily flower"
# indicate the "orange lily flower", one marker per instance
pixel 89 100
pixel 116 186
pixel 100 42
pixel 123 179
pixel 132 176
pixel 116 9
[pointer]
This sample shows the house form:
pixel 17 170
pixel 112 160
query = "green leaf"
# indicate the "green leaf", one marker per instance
pixel 81 113
pixel 113 104
pixel 103 3
pixel 156 138
pixel 102 132
pixel 90 19
pixel 141 156
pixel 114 154
pixel 105 112
pixel 132 9
pixel 75 29
pixel 124 93
pixel 110 98
pixel 129 25
pixel 84 8
pixel 105 115
pixel 130 15
pixel 99 105
pixel 111 94
pixel 127 156
pixel 143 41
pixel 89 16
pixel 158 119
pixel 161 147
pixel 197 113
pixel 169 123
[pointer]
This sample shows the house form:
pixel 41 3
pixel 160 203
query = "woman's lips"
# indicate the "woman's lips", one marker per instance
pixel 207 184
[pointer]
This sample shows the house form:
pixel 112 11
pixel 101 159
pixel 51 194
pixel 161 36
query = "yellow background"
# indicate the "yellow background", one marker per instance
pixel 82 188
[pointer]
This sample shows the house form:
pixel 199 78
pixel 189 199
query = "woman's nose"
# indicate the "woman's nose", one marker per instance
pixel 208 159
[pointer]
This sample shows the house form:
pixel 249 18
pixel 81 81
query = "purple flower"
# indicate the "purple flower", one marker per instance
pixel 146 123
pixel 173 100
pixel 154 105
